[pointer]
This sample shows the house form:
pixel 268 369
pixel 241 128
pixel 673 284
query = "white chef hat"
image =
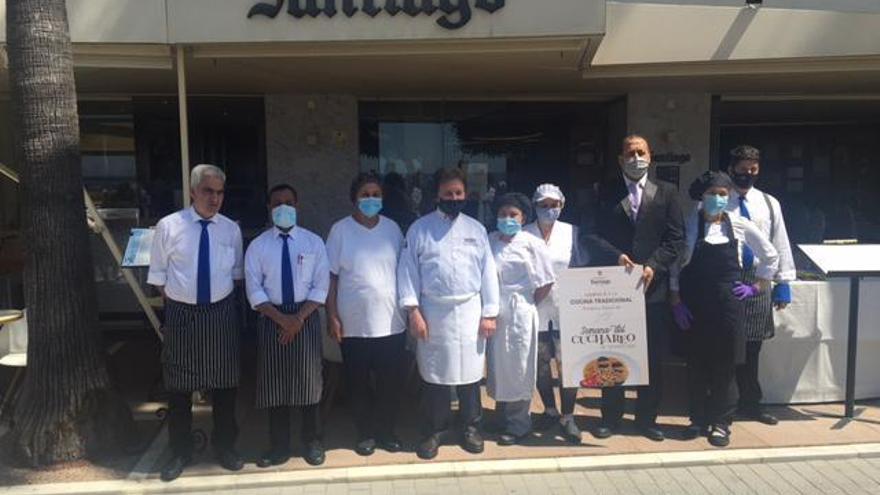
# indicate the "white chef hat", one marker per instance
pixel 548 191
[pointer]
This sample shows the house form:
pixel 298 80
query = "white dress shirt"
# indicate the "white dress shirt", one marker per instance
pixel 745 231
pixel 174 255
pixel 759 214
pixel 308 257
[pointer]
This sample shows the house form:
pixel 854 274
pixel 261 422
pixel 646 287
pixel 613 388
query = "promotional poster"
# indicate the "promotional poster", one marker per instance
pixel 603 328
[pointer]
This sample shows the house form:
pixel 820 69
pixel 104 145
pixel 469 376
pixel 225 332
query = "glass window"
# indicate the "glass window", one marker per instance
pixel 502 146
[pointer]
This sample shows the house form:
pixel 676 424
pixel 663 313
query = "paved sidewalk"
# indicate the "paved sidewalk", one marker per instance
pixel 846 469
pixel 852 476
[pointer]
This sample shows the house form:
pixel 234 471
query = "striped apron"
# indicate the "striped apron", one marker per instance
pixel 201 348
pixel 758 317
pixel 289 375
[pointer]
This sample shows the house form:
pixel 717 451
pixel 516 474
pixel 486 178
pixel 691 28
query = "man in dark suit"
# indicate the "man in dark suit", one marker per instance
pixel 638 223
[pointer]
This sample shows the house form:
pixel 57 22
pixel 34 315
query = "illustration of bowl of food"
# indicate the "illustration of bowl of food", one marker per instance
pixel 605 371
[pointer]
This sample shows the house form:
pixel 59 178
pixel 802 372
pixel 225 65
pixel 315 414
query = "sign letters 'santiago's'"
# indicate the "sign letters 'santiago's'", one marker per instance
pixel 454 13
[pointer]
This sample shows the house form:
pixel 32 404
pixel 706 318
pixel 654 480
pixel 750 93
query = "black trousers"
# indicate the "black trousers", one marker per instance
pixel 710 388
pixel 436 402
pixel 547 351
pixel 750 394
pixel 279 426
pixel 649 396
pixel 225 428
pixel 374 376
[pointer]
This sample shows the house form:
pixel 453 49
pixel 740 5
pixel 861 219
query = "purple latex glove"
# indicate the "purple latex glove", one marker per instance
pixel 744 291
pixel 682 315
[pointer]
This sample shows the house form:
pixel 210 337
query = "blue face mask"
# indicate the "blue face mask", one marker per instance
pixel 284 216
pixel 714 204
pixel 370 207
pixel 509 226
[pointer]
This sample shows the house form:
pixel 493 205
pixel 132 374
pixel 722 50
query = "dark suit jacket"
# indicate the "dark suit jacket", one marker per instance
pixel 655 238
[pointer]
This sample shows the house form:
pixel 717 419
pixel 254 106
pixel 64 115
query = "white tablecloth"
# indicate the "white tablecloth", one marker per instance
pixel 806 360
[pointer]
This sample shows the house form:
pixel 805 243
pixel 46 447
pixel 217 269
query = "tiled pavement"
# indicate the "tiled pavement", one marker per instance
pixel 850 476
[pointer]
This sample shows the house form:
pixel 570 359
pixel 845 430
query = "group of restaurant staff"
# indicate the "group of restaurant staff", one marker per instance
pixel 475 304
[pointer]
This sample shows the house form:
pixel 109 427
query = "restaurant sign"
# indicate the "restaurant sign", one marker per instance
pixel 453 14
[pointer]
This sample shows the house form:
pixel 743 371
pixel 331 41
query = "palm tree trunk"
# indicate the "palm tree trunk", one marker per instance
pixel 67 407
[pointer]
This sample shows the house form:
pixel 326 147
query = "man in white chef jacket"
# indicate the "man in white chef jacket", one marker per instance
pixel 448 284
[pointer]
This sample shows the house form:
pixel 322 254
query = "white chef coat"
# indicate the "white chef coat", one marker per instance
pixel 744 230
pixel 365 260
pixel 524 265
pixel 563 249
pixel 174 255
pixel 308 259
pixel 775 230
pixel 447 269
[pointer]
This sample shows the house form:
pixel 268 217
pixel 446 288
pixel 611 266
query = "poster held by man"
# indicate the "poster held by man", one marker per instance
pixel 604 330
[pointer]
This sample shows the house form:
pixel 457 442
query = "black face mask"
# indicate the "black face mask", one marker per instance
pixel 744 181
pixel 451 207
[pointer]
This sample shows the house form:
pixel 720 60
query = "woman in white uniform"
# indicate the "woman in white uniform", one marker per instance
pixel 449 287
pixel 525 276
pixel 363 316
pixel 561 241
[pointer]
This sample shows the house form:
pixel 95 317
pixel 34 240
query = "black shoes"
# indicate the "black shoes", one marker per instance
pixel 172 470
pixel 651 432
pixel 365 447
pixel 315 453
pixel 390 443
pixel 273 458
pixel 570 431
pixel 719 436
pixel 605 430
pixel 429 447
pixel 507 439
pixel 761 417
pixel 229 460
pixel 472 441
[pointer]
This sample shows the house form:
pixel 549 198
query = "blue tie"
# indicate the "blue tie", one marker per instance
pixel 286 273
pixel 748 254
pixel 203 280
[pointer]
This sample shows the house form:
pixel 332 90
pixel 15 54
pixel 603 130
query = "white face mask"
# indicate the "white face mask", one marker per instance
pixel 635 168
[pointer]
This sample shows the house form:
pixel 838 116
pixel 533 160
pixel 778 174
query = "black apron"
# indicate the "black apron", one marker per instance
pixel 201 346
pixel 289 375
pixel 706 284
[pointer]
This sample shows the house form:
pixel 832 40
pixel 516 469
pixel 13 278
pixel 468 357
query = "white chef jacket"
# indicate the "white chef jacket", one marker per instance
pixel 174 255
pixel 563 249
pixel 745 231
pixel 524 265
pixel 447 269
pixel 365 260
pixel 308 259
pixel 759 214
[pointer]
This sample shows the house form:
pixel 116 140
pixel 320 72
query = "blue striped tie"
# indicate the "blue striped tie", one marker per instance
pixel 203 277
pixel 286 273
pixel 748 254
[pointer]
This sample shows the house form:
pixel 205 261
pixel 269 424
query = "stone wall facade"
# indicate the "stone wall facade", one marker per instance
pixel 312 144
pixel 678 128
